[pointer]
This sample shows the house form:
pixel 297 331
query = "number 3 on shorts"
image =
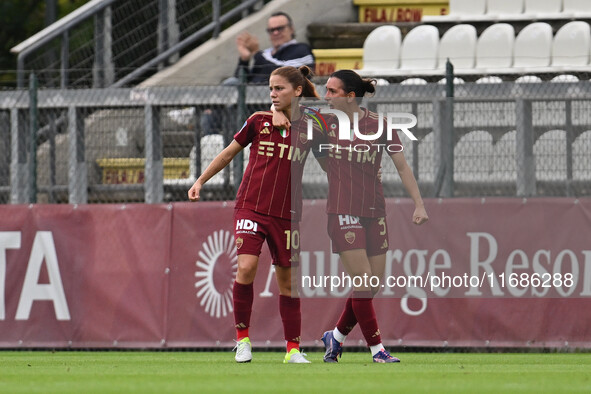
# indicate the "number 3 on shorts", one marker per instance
pixel 292 239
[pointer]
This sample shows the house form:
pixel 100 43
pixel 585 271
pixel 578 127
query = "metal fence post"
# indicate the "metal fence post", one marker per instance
pixel 197 143
pixel 162 29
pixel 216 18
pixel 33 126
pixel 103 73
pixel 443 125
pixel 524 146
pixel 77 169
pixel 447 147
pixel 438 162
pixel 20 69
pixel 447 154
pixel 18 162
pixel 168 30
pixel 5 153
pixel 240 117
pixel 52 157
pixel 444 145
pixel 570 137
pixel 415 145
pixel 154 169
pixel 65 60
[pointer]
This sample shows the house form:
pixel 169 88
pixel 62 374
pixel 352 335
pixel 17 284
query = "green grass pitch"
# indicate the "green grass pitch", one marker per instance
pixel 214 372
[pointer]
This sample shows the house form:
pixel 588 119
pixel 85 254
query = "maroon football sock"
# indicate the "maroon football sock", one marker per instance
pixel 242 298
pixel 347 321
pixel 289 309
pixel 362 305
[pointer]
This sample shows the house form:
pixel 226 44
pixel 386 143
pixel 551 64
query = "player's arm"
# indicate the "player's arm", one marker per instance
pixel 410 184
pixel 217 164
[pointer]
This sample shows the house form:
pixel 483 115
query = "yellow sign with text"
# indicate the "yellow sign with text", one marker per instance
pixel 399 10
pixel 331 60
pixel 131 170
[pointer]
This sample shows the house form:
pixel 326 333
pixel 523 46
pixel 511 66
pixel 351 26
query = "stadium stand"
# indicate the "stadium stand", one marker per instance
pixel 375 58
pixel 543 9
pixel 571 44
pixel 494 48
pixel 460 10
pixel 565 78
pixel 528 79
pixel 579 9
pixel 511 10
pixel 535 50
pixel 489 79
pixel 419 49
pixel 504 9
pixel 418 54
pixel 533 46
pixel 413 81
pixel 457 81
pixel 458 44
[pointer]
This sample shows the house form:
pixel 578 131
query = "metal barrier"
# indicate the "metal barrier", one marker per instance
pixel 148 145
pixel 118 42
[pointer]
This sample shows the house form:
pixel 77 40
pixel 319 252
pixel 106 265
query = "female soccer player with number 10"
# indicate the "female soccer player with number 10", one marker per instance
pixel 266 206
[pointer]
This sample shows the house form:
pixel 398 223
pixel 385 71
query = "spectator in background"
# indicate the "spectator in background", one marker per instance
pixel 285 51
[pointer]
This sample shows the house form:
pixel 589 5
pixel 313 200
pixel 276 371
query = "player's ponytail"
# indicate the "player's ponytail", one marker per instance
pixel 298 77
pixel 308 88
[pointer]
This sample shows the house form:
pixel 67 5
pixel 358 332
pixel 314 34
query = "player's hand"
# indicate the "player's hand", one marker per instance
pixel 194 191
pixel 280 120
pixel 420 216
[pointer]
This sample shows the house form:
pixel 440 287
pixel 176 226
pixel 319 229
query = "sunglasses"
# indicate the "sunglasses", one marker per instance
pixel 277 29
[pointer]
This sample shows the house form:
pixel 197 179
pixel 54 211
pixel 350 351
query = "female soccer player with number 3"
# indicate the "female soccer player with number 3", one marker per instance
pixel 356 210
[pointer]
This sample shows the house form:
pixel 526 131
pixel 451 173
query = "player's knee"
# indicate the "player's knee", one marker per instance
pixel 247 270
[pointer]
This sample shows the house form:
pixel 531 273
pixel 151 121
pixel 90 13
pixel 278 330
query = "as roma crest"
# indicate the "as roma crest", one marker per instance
pixel 239 242
pixel 350 237
pixel 303 138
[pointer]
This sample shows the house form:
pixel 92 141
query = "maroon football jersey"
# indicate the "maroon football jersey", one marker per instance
pixel 353 166
pixel 276 158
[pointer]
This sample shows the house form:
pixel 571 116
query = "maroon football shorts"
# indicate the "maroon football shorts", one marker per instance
pixel 352 232
pixel 251 229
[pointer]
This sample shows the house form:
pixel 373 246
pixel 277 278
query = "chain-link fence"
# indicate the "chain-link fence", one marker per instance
pixel 149 145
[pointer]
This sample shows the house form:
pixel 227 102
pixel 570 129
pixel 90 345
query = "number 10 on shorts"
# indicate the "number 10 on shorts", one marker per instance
pixel 292 239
